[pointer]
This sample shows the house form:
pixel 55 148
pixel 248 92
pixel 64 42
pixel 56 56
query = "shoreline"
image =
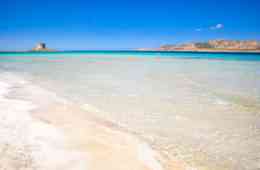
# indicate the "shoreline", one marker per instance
pixel 101 140
pixel 83 136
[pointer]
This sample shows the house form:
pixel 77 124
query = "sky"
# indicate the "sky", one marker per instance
pixel 124 24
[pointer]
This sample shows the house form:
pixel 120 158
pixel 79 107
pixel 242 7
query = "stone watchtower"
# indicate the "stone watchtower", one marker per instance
pixel 40 46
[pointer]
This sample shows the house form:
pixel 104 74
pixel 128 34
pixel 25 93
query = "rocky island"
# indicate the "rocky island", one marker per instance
pixel 213 46
pixel 41 47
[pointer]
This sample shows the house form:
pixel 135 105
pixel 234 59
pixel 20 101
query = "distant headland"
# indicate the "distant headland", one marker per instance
pixel 212 46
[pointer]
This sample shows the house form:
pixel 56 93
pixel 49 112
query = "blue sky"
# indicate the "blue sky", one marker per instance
pixel 123 24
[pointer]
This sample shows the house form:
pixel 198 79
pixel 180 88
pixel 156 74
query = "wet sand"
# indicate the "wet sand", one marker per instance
pixel 105 147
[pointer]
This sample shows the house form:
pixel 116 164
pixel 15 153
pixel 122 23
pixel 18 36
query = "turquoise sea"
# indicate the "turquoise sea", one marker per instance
pixel 199 107
pixel 163 54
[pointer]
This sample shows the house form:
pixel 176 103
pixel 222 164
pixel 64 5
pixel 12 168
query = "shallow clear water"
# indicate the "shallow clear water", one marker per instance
pixel 203 108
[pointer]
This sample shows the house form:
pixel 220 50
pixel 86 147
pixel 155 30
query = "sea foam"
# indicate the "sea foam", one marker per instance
pixel 27 143
pixel 147 155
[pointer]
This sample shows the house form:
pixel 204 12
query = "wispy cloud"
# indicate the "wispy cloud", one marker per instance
pixel 216 27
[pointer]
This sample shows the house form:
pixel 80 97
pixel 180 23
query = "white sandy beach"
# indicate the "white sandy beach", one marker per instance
pixel 116 113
